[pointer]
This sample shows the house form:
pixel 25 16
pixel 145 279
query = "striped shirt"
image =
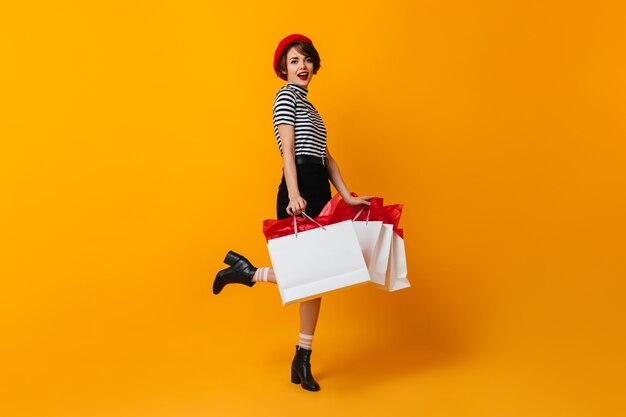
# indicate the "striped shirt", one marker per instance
pixel 292 107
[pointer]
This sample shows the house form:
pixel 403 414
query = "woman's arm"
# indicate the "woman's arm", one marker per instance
pixel 297 204
pixel 337 180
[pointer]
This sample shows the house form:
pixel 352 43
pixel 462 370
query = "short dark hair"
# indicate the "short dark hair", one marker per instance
pixel 305 49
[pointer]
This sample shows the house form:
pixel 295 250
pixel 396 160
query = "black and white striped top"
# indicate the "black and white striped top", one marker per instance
pixel 292 107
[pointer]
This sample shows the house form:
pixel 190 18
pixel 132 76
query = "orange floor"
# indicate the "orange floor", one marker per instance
pixel 232 359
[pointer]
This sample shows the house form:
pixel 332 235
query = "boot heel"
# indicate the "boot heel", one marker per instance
pixel 294 376
pixel 231 258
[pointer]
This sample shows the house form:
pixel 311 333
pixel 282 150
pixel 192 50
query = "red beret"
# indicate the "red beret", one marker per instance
pixel 281 47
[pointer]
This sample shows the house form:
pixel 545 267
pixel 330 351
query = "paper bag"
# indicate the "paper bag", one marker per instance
pixel 316 261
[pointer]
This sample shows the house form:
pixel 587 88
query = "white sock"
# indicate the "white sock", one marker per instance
pixel 261 275
pixel 306 340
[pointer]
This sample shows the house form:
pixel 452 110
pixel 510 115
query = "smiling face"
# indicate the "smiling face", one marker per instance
pixel 299 68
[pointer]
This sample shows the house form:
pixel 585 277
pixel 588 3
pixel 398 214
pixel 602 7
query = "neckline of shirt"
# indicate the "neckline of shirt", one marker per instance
pixel 298 88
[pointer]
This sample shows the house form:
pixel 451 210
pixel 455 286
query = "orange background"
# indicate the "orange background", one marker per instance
pixel 137 148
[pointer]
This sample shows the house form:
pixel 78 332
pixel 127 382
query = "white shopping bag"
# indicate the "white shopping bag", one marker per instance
pixel 397 271
pixel 369 233
pixel 379 261
pixel 317 261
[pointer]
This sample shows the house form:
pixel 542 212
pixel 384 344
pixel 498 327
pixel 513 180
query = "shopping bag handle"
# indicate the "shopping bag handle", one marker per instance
pixel 361 211
pixel 295 225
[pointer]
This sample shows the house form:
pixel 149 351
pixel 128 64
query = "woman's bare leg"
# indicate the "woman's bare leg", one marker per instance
pixel 309 312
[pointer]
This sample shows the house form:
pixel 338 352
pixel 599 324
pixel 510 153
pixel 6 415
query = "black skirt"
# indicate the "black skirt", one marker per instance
pixel 314 188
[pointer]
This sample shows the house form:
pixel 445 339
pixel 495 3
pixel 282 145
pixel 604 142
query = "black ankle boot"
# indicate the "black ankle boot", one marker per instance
pixel 241 271
pixel 301 370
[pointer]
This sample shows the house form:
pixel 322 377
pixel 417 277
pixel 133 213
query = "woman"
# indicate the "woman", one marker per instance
pixel 307 168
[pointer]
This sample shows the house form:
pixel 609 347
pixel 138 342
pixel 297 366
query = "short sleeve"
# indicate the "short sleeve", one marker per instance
pixel 285 108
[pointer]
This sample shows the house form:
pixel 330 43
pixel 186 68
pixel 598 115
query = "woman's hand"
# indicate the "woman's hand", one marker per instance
pixel 357 201
pixel 296 206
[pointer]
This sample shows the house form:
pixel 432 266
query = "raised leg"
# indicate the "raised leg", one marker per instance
pixel 264 275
